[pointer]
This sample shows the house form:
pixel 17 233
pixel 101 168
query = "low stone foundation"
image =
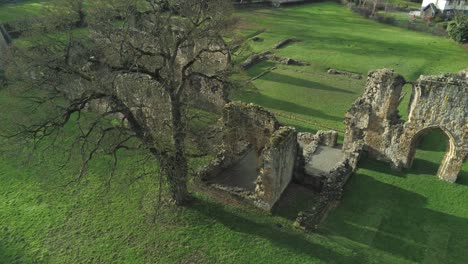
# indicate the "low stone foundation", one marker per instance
pixel 285 43
pixel 207 94
pixel 268 55
pixel 317 156
pixel 260 157
pixel 332 191
pixel 346 73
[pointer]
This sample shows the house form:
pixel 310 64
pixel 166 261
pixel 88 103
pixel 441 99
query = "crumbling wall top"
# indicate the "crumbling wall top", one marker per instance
pixel 247 124
pixel 439 101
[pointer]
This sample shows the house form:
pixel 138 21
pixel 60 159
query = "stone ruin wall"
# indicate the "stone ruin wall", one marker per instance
pixel 436 102
pixel 331 185
pixel 278 150
pixel 308 144
pixel 247 124
pixel 331 192
pixel 277 166
pixel 246 127
pixel 207 94
pixel 204 92
pixel 372 118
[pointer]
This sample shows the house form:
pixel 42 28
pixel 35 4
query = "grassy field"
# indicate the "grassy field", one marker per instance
pixel 11 12
pixel 406 4
pixel 385 217
pixel 334 37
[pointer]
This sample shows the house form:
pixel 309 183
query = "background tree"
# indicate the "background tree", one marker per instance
pixel 133 65
pixel 457 29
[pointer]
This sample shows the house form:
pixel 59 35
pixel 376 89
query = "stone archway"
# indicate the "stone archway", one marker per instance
pixel 451 163
pixel 439 101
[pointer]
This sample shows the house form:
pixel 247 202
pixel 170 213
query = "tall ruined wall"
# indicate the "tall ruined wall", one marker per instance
pixel 373 118
pixel 249 127
pixel 437 102
pixel 207 94
pixel 277 168
pixel 247 124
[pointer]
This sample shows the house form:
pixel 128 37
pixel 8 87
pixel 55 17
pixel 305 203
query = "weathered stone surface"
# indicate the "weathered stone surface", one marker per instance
pixel 437 102
pixel 254 59
pixel 327 138
pixel 257 39
pixel 308 142
pixel 247 128
pixel 278 165
pixel 208 94
pixel 285 42
pixel 285 61
pixel 317 157
pixel 289 61
pixel 247 124
pixel 349 74
pixel 331 193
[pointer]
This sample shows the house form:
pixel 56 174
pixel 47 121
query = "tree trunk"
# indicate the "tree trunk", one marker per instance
pixel 81 15
pixel 374 9
pixel 175 165
pixel 175 169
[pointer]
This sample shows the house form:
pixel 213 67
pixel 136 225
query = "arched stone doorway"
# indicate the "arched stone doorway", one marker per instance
pixel 439 101
pixel 450 156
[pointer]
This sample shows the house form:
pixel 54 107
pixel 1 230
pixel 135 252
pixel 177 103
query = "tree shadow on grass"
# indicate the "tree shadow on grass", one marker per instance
pixel 463 176
pixel 396 221
pixel 290 80
pixel 286 106
pixel 280 237
pixel 260 68
pixel 9 254
pixel 380 167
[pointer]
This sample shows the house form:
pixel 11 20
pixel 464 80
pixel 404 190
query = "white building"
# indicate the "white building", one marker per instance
pixel 447 6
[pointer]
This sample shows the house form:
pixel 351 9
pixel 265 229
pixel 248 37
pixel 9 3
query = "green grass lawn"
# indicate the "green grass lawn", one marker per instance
pixel 11 12
pixel 385 217
pixel 334 37
pixel 405 4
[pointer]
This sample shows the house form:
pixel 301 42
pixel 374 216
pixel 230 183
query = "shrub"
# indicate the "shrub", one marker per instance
pixel 458 29
pixel 385 19
pixel 443 25
pixel 363 11
pixel 439 18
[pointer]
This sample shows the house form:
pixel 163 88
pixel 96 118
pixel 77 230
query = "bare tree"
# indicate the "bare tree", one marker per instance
pixel 133 64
